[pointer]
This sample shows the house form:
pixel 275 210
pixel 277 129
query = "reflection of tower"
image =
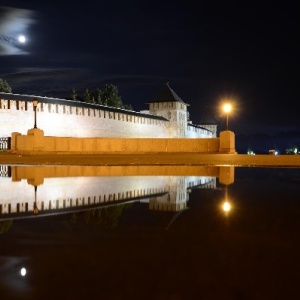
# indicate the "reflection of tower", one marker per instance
pixel 175 200
pixel 178 192
pixel 178 189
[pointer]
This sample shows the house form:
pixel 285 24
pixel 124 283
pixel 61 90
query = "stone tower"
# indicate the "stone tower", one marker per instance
pixel 168 105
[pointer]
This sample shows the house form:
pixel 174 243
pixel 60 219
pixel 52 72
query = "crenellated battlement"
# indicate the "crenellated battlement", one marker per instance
pixel 167 117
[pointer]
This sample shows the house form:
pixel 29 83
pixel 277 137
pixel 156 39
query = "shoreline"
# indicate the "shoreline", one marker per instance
pixel 238 160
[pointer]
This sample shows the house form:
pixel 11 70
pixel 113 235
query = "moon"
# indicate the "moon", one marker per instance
pixel 22 39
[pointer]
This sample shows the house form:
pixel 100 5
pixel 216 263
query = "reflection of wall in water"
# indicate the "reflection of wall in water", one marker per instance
pixel 72 192
pixel 5 171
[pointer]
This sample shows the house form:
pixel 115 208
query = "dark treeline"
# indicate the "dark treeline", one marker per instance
pixel 108 96
pixel 4 86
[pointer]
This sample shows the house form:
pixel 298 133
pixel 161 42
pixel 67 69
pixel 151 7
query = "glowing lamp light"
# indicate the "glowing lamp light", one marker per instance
pixel 226 206
pixel 227 109
pixel 23 272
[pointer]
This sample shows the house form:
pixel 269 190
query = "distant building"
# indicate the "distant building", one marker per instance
pixel 167 117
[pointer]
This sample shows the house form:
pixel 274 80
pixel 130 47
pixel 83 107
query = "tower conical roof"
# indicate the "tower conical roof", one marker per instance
pixel 166 95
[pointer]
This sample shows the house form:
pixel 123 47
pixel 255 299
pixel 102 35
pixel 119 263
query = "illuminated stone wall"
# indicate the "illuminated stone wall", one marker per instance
pixel 194 132
pixel 70 121
pixel 67 118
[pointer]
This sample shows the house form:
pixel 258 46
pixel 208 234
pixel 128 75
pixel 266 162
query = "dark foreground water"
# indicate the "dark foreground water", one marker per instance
pixel 133 252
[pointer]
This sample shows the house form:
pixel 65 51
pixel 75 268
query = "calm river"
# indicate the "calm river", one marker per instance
pixel 138 232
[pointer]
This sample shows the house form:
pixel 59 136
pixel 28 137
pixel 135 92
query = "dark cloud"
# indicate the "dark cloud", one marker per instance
pixel 28 74
pixel 45 81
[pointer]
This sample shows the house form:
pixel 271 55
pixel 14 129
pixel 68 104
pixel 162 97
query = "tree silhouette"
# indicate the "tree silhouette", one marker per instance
pixel 4 86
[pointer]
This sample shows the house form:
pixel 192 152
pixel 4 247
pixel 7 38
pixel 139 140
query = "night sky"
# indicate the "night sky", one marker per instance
pixel 207 50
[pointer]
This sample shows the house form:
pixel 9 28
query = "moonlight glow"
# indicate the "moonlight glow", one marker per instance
pixel 22 39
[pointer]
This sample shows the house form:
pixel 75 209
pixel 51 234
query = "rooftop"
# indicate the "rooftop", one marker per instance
pixel 167 95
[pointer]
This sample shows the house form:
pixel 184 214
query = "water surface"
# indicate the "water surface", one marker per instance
pixel 142 233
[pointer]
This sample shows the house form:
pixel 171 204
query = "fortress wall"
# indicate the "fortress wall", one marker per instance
pixel 194 132
pixel 69 121
pixel 212 128
pixel 15 120
pixel 35 141
pixel 101 125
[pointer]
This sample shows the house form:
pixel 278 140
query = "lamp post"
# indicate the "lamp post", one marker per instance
pixel 35 103
pixel 227 109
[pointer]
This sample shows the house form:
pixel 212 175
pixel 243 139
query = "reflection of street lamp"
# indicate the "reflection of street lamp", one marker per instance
pixel 227 109
pixel 35 103
pixel 226 206
pixel 35 209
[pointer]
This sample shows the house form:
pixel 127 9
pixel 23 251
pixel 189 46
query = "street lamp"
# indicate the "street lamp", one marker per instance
pixel 227 109
pixel 35 103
